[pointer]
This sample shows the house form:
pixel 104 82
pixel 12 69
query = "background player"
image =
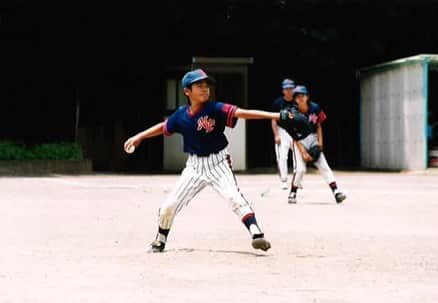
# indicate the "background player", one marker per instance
pixel 202 124
pixel 310 142
pixel 283 141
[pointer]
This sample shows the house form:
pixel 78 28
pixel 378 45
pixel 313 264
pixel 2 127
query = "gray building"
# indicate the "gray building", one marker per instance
pixel 399 114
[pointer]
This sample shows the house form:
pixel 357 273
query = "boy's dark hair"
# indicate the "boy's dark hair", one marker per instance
pixel 188 99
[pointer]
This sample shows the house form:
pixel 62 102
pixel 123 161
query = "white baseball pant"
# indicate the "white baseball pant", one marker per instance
pixel 300 164
pixel 214 170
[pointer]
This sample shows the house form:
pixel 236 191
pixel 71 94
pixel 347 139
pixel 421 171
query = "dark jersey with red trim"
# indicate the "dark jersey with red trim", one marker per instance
pixel 203 131
pixel 315 115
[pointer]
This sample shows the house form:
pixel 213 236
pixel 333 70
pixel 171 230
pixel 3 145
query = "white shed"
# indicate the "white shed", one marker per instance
pixel 396 113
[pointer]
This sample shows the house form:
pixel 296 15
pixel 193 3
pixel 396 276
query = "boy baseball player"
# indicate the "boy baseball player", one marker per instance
pixel 308 147
pixel 202 123
pixel 283 141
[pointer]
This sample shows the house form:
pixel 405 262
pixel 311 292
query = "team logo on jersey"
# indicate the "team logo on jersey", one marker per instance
pixel 206 123
pixel 313 118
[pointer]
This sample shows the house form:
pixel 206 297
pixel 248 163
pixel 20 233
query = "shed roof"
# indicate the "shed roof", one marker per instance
pixel 423 58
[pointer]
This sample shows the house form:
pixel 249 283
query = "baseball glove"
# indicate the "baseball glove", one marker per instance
pixel 298 126
pixel 315 152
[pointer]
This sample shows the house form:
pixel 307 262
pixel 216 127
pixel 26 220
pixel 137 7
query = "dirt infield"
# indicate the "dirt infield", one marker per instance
pixel 85 239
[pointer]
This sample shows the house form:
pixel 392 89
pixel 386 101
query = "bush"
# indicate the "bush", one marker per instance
pixel 51 151
pixel 58 151
pixel 14 151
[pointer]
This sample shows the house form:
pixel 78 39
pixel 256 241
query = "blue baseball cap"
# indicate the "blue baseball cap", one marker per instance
pixel 301 89
pixel 288 83
pixel 194 76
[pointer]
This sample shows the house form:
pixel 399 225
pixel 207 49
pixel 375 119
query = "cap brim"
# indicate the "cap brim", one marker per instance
pixel 300 93
pixel 288 86
pixel 209 80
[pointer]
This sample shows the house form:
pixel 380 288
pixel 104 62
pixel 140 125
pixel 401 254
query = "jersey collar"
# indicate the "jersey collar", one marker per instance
pixel 190 113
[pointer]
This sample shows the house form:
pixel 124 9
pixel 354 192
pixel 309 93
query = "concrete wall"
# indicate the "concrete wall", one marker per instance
pixel 45 167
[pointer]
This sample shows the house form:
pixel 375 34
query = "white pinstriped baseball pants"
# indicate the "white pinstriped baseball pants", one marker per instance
pixel 214 170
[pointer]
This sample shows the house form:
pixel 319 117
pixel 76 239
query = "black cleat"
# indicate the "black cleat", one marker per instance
pixel 340 197
pixel 261 243
pixel 157 246
pixel 292 199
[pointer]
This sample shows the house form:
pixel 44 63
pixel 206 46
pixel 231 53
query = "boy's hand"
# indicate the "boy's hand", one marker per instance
pixel 131 144
pixel 307 157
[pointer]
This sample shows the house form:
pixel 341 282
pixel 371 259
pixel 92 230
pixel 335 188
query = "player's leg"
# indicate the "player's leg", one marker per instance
pixel 282 154
pixel 329 177
pixel 189 184
pixel 294 165
pixel 282 169
pixel 224 182
pixel 299 169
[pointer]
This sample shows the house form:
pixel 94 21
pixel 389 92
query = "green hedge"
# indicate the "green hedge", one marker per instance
pixel 51 151
pixel 14 151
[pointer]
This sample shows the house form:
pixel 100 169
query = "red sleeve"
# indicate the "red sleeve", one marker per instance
pixel 229 111
pixel 322 117
pixel 170 125
pixel 165 129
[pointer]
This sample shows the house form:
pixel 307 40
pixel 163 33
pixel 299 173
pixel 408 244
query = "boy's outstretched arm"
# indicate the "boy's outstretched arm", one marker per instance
pixel 152 131
pixel 255 114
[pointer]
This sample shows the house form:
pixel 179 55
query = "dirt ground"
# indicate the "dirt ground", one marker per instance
pixel 86 239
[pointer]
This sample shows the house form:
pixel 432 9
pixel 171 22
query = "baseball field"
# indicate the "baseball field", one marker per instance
pixel 86 239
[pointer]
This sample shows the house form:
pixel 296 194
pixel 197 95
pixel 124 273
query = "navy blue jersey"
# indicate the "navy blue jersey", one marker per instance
pixel 203 131
pixel 280 103
pixel 315 115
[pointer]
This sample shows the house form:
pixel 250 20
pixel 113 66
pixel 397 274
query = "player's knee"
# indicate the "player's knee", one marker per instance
pixel 236 199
